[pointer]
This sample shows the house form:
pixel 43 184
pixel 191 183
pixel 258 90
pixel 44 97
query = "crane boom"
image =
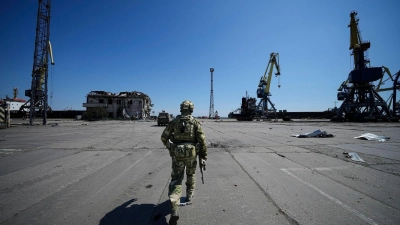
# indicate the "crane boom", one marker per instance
pixel 266 80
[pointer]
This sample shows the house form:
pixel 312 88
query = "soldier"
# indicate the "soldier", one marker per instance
pixel 184 138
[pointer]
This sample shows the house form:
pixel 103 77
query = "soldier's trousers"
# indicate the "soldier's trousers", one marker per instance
pixel 177 175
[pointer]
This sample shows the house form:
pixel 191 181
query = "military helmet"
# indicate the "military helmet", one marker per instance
pixel 187 106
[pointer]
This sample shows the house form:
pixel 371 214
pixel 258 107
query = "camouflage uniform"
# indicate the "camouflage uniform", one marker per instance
pixel 188 140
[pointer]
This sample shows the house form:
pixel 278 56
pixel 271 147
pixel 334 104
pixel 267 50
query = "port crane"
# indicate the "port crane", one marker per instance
pixel 361 102
pixel 263 90
pixel 38 101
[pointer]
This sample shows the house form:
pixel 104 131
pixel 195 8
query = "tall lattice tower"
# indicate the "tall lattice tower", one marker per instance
pixel 38 93
pixel 211 112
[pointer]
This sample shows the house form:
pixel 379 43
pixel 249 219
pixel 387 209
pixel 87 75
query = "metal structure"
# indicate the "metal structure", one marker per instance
pixel 38 102
pixel 393 79
pixel 396 87
pixel 247 110
pixel 211 114
pixel 361 102
pixel 263 90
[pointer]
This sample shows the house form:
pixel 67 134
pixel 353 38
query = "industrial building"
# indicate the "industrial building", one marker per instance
pixel 135 105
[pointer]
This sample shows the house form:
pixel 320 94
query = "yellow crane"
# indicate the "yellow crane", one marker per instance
pixel 361 102
pixel 263 90
pixel 358 47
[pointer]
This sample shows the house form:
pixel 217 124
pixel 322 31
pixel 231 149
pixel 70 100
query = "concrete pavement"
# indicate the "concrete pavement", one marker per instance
pixel 117 172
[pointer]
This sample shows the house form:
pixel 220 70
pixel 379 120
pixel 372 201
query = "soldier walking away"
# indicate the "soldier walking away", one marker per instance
pixel 184 138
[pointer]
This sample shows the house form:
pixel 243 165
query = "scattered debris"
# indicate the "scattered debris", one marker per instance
pixel 317 133
pixel 372 137
pixel 216 145
pixel 354 156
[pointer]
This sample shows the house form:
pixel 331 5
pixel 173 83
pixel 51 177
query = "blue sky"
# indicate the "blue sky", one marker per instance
pixel 165 49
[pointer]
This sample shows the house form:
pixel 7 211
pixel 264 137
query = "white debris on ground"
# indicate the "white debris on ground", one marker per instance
pixel 354 156
pixel 372 137
pixel 317 133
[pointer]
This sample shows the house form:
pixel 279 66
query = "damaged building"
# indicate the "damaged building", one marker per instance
pixel 126 104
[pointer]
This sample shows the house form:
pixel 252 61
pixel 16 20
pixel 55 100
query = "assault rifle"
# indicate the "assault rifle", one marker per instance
pixel 201 169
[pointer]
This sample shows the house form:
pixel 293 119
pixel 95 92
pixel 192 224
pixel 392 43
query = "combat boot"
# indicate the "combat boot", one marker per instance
pixel 174 218
pixel 189 196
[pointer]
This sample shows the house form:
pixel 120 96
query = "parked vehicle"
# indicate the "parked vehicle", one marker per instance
pixel 163 118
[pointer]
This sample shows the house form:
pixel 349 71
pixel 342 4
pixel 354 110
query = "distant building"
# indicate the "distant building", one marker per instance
pixel 122 105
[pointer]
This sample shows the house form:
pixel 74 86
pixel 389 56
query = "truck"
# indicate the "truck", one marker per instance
pixel 163 118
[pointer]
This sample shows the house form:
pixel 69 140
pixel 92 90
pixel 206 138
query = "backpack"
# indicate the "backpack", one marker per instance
pixel 184 137
pixel 184 129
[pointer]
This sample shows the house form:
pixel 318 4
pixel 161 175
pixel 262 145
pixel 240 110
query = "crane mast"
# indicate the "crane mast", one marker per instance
pixel 357 45
pixel 38 92
pixel 263 90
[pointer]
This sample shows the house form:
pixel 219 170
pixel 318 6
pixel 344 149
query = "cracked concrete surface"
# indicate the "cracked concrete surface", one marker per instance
pixel 117 172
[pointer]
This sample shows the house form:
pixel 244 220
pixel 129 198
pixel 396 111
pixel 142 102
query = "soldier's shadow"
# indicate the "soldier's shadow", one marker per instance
pixel 131 213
